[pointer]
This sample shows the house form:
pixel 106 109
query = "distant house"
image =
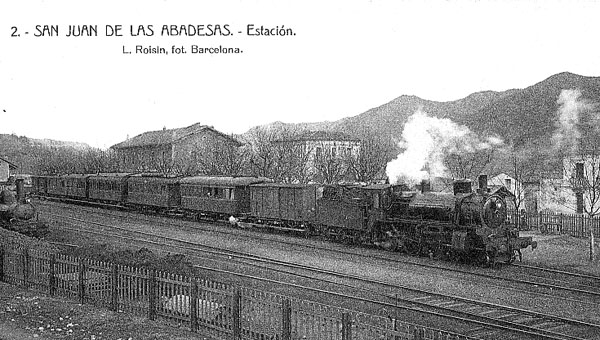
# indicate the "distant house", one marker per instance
pixel 570 189
pixel 161 150
pixel 6 169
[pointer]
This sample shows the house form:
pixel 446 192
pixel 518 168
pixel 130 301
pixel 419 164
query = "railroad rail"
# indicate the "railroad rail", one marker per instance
pixel 489 319
pixel 575 284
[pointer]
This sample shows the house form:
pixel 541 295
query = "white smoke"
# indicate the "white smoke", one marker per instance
pixel 567 134
pixel 426 141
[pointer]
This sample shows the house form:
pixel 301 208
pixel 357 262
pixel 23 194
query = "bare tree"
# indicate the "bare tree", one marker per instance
pixel 330 166
pixel 218 158
pixel 371 159
pixel 583 172
pixel 279 155
pixel 468 165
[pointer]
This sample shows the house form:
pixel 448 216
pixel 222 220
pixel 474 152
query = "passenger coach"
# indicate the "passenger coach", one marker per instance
pixel 217 196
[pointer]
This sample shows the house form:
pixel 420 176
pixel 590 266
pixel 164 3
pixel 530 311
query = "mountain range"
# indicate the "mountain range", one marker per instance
pixel 518 116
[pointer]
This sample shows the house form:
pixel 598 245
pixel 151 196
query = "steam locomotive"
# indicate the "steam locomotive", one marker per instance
pixel 16 212
pixel 466 224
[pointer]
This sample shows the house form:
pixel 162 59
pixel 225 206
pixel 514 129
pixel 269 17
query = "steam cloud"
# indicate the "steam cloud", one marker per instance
pixel 568 134
pixel 426 141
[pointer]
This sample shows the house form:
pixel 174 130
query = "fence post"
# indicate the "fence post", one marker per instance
pixel 418 333
pixel 152 296
pixel 346 326
pixel 25 266
pixel 562 221
pixel 1 263
pixel 194 304
pixel 236 314
pixel 81 281
pixel 52 279
pixel 114 303
pixel 286 322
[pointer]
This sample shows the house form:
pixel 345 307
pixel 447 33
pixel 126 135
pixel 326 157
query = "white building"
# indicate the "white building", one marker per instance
pixel 5 169
pixel 319 145
pixel 573 189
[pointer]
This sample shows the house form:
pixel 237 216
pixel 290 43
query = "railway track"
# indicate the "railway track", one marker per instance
pixel 488 321
pixel 578 287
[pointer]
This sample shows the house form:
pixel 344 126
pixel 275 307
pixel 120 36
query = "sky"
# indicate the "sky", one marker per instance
pixel 343 58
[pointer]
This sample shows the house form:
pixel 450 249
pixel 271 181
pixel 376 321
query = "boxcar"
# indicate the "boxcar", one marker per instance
pixel 153 191
pixel 108 187
pixel 288 203
pixel 75 186
pixel 217 195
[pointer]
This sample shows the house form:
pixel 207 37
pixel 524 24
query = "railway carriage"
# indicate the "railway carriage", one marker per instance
pixel 75 186
pixel 108 187
pixel 291 205
pixel 39 185
pixel 153 191
pixel 217 195
pixel 56 186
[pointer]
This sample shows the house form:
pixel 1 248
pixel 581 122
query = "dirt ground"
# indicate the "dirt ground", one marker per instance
pixel 25 314
pixel 562 252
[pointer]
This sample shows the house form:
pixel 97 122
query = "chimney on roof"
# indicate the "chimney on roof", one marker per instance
pixel 483 185
pixel 164 128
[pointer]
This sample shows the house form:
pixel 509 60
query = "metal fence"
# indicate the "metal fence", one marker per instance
pixel 217 309
pixel 571 224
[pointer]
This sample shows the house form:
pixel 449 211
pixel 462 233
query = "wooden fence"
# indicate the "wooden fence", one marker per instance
pixel 571 224
pixel 216 309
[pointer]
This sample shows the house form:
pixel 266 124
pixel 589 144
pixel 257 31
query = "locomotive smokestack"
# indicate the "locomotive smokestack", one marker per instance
pixel 483 188
pixel 20 190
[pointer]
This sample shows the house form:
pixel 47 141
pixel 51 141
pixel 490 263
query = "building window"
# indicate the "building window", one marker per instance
pixel 333 151
pixel 578 170
pixel 579 197
pixel 318 151
pixel 507 183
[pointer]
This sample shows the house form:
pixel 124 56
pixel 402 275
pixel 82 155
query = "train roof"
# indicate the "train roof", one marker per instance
pixel 112 174
pixel 223 180
pixel 156 178
pixel 377 186
pixel 285 185
pixel 75 176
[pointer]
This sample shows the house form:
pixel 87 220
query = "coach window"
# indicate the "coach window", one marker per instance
pixel 232 194
pixel 227 193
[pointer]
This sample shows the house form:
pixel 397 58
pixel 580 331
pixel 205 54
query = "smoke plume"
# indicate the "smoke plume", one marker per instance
pixel 570 115
pixel 426 141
